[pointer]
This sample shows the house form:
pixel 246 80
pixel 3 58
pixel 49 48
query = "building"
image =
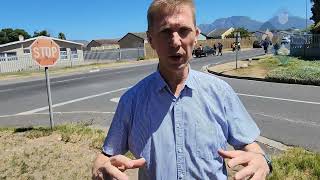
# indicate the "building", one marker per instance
pixel 202 37
pixel 16 56
pixel 103 44
pixel 84 42
pixel 219 33
pixel 133 40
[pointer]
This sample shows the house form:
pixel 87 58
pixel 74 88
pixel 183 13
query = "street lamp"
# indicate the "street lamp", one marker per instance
pixel 238 38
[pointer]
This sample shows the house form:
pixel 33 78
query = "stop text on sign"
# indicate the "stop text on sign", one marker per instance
pixel 45 52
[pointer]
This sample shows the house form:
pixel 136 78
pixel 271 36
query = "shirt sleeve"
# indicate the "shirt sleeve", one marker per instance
pixel 242 129
pixel 116 141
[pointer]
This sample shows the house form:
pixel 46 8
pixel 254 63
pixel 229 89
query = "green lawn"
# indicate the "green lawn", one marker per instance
pixel 295 70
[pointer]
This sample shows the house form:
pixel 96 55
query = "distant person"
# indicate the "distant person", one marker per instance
pixel 239 46
pixel 265 44
pixel 220 46
pixel 233 46
pixel 214 49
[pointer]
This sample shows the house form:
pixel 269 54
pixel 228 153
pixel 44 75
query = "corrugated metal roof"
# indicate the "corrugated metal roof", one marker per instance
pixel 106 41
pixel 217 32
pixel 32 39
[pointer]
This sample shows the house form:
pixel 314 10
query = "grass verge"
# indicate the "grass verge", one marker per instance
pixel 68 152
pixel 272 68
pixel 297 71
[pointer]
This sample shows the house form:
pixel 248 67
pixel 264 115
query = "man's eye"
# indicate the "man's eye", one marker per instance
pixel 184 32
pixel 166 32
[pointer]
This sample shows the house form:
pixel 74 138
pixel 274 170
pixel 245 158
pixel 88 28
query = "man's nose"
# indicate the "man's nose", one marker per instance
pixel 175 40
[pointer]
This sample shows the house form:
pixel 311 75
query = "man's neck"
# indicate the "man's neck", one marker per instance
pixel 175 79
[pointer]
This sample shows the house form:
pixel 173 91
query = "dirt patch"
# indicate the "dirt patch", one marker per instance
pixel 44 158
pixel 245 68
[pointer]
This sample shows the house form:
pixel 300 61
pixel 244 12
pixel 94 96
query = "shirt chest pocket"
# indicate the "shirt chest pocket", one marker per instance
pixel 208 140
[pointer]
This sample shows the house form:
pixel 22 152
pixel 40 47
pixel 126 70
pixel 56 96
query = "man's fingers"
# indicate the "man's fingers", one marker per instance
pixel 258 175
pixel 245 172
pixel 120 160
pixel 229 154
pixel 138 163
pixel 241 160
pixel 116 173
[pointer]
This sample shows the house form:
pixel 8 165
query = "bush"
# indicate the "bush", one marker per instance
pixel 140 58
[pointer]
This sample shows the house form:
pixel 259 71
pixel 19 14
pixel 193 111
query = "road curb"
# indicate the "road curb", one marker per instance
pixel 272 143
pixel 289 81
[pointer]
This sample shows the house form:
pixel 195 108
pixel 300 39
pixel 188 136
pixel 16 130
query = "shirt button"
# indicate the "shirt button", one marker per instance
pixel 181 176
pixel 180 150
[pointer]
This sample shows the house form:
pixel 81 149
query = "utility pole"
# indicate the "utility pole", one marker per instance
pixel 305 35
pixel 237 36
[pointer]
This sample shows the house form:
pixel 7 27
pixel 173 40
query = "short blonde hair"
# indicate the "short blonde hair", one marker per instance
pixel 163 6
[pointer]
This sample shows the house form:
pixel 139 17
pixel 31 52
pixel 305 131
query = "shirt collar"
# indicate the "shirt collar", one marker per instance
pixel 161 83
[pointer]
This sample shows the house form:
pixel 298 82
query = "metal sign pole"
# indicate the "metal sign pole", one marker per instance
pixel 237 56
pixel 49 97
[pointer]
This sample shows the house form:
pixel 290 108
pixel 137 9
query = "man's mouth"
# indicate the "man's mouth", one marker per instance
pixel 176 56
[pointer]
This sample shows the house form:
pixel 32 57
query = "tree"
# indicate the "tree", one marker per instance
pixel 315 11
pixel 61 36
pixel 243 32
pixel 41 33
pixel 315 15
pixel 9 35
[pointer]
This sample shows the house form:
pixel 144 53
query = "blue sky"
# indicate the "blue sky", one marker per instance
pixel 96 19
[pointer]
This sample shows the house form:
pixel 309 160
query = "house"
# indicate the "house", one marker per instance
pixel 84 42
pixel 133 40
pixel 219 33
pixel 103 44
pixel 16 56
pixel 202 37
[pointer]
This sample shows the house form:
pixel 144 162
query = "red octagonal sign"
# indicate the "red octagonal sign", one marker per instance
pixel 45 52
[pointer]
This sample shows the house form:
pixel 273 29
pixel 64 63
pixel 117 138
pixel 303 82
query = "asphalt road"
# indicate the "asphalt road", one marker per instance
pixel 285 112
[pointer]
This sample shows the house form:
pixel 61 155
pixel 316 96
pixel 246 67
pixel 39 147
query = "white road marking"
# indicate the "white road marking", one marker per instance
pixel 116 100
pixel 71 101
pixel 6 90
pixel 94 70
pixel 289 120
pixel 71 112
pixel 280 99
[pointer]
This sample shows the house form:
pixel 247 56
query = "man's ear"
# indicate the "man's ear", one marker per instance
pixel 149 36
pixel 198 31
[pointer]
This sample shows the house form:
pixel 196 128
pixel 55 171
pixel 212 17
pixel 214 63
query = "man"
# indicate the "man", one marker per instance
pixel 266 44
pixel 177 122
pixel 220 46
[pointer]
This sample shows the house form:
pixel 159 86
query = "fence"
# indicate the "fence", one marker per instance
pixel 114 55
pixel 305 45
pixel 26 63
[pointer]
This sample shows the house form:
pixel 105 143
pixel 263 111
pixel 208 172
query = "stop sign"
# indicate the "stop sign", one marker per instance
pixel 45 52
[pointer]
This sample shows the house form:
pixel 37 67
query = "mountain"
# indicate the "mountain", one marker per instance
pixel 267 25
pixel 234 21
pixel 275 23
pixel 291 22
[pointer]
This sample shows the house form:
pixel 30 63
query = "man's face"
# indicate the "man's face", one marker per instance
pixel 173 35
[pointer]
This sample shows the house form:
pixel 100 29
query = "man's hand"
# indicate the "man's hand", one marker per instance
pixel 256 167
pixel 108 168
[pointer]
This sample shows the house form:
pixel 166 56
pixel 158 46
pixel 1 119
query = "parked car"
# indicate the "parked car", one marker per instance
pixel 256 44
pixel 285 40
pixel 204 52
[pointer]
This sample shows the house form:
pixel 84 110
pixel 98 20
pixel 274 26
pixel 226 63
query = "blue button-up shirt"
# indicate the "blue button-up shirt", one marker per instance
pixel 179 136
